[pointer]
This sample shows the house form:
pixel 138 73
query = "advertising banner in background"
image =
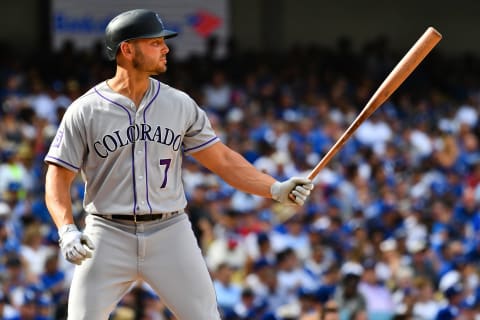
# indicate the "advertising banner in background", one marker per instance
pixel 83 22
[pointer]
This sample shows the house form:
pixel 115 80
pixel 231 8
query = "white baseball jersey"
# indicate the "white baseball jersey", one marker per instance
pixel 131 158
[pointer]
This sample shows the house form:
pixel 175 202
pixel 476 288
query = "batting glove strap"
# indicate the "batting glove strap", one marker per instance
pixel 74 245
pixel 66 228
pixel 292 191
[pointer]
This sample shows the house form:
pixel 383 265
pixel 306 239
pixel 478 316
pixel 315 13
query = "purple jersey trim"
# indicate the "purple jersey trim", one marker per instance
pixel 146 162
pixel 133 151
pixel 203 144
pixel 61 161
pixel 117 104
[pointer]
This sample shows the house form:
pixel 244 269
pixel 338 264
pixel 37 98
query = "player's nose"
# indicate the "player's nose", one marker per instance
pixel 165 48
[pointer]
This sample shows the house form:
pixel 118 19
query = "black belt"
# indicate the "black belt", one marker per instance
pixel 138 217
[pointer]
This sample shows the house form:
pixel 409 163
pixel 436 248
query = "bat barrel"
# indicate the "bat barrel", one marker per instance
pixel 397 76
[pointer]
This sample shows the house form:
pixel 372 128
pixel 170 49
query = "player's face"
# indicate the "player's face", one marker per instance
pixel 150 55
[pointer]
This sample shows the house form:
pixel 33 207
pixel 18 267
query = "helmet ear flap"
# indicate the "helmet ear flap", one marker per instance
pixel 110 52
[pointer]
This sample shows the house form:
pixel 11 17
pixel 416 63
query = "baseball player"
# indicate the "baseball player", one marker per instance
pixel 127 136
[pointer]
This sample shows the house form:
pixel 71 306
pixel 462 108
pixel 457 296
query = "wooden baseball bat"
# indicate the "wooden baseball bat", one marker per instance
pixel 397 76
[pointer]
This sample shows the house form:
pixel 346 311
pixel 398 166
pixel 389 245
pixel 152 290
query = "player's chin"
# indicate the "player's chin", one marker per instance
pixel 162 68
pixel 159 70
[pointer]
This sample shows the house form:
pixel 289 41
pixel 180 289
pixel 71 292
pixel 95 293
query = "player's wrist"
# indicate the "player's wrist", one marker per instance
pixel 275 190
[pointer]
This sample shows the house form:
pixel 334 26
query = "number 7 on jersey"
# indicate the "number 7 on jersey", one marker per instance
pixel 166 163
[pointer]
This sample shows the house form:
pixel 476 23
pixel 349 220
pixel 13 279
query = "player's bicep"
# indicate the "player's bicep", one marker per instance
pixel 58 181
pixel 60 175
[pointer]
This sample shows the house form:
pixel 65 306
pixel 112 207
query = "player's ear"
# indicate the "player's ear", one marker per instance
pixel 126 49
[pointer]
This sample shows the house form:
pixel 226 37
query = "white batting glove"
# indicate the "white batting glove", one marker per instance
pixel 292 191
pixel 75 245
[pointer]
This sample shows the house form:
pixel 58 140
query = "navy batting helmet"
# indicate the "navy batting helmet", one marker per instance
pixel 133 24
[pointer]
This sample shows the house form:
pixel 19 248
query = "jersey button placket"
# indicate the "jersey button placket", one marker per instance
pixel 140 163
pixel 141 192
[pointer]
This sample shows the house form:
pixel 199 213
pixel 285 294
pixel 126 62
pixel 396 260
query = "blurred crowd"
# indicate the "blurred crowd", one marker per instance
pixel 392 230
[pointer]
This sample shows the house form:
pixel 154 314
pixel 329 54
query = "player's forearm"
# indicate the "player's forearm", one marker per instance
pixel 235 170
pixel 57 195
pixel 243 176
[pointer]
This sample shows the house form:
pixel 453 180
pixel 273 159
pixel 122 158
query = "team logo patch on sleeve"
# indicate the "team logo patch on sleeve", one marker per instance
pixel 58 138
